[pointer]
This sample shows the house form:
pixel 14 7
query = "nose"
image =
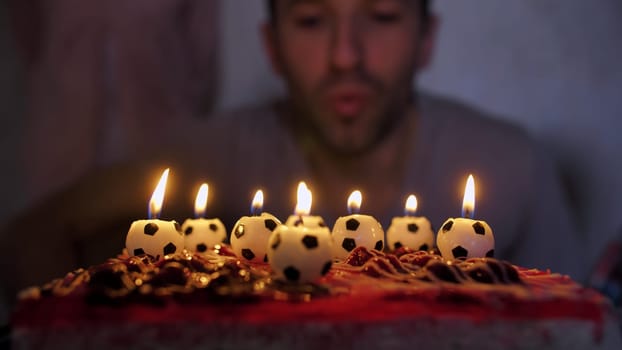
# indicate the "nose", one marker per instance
pixel 346 47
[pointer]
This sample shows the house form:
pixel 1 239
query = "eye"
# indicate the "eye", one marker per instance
pixel 386 16
pixel 308 21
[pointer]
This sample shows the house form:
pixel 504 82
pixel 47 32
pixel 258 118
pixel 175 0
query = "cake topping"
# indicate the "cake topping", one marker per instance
pixel 250 234
pixel 212 277
pixel 299 254
pixel 155 237
pixel 144 278
pixel 356 230
pixel 202 233
pixel 409 230
pixel 465 237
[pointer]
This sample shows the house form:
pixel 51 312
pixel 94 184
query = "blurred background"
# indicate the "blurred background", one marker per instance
pixel 552 66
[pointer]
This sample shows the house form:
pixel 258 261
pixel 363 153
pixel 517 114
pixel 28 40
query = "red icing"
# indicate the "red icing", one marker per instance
pixel 368 287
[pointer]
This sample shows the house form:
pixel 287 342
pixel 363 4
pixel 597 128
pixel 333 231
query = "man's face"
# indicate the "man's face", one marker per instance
pixel 349 65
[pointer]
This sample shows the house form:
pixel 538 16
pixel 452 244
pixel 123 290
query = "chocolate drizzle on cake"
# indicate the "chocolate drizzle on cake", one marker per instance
pixel 143 279
pixel 430 267
pixel 219 275
pixel 221 296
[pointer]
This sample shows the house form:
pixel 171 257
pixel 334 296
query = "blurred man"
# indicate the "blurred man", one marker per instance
pixel 352 119
pixel 349 67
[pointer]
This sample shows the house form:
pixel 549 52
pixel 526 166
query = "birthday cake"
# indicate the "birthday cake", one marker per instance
pixel 371 299
pixel 298 285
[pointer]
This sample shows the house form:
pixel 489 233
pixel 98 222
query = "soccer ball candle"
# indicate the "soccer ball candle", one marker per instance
pixel 155 237
pixel 409 230
pixel 249 238
pixel 465 237
pixel 300 250
pixel 356 230
pixel 200 233
pixel 299 254
pixel 301 216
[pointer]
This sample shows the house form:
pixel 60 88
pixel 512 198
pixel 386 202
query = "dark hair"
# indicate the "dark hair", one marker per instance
pixel 424 6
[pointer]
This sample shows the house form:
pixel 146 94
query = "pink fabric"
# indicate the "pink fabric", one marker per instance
pixel 108 79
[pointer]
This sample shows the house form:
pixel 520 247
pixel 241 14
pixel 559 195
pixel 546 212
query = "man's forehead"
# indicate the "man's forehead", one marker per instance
pixel 294 2
pixel 291 3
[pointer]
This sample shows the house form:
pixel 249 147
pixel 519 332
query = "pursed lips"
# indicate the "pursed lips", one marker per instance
pixel 348 102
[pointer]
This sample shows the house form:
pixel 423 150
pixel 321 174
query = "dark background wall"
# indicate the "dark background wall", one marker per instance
pixel 12 104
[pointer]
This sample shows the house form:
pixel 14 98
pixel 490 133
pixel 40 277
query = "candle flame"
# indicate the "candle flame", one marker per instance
pixel 354 202
pixel 201 202
pixel 155 203
pixel 468 203
pixel 411 205
pixel 303 204
pixel 257 204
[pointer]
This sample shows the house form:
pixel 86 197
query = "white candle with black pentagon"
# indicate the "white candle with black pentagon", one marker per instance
pixel 356 230
pixel 153 236
pixel 302 214
pixel 202 234
pixel 299 254
pixel 465 237
pixel 410 231
pixel 249 238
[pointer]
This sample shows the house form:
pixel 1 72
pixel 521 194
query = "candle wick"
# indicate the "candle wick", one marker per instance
pixel 151 210
pixel 466 213
pixel 199 213
pixel 255 210
pixel 299 221
pixel 353 210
